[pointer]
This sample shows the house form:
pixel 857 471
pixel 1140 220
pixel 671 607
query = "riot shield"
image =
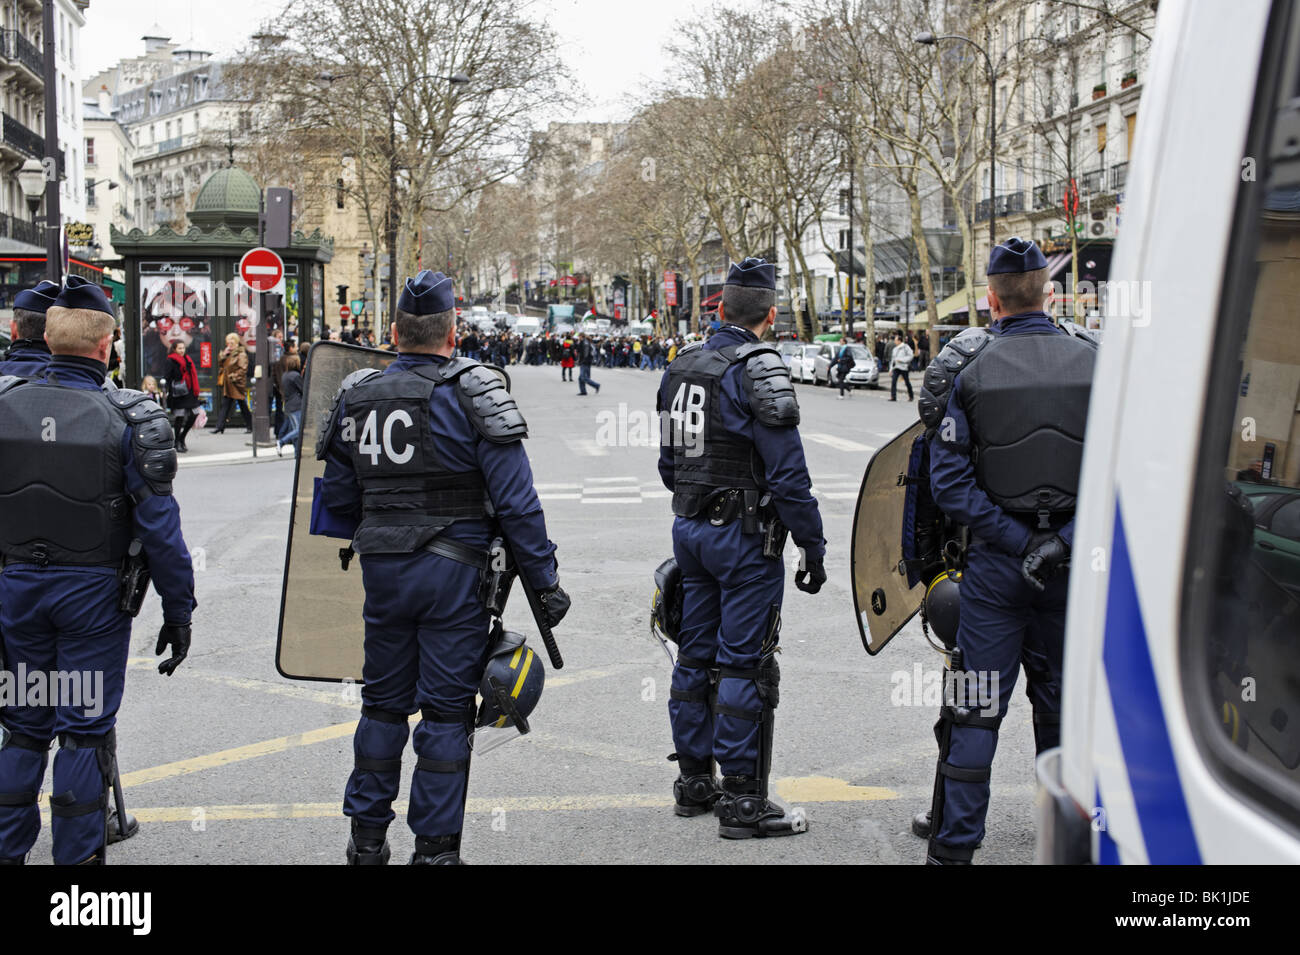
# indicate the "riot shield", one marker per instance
pixel 882 597
pixel 321 630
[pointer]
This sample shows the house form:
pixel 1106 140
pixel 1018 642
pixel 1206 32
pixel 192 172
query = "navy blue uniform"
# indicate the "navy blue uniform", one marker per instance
pixel 65 618
pixel 426 629
pixel 26 359
pixel 728 586
pixel 1004 621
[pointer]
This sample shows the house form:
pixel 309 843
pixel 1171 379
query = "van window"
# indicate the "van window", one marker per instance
pixel 1241 606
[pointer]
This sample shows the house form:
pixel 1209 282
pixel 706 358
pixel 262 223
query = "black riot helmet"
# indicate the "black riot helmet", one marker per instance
pixel 511 685
pixel 666 604
pixel 942 607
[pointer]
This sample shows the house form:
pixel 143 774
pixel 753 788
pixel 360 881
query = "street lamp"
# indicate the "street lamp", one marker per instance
pixel 929 39
pixel 31 179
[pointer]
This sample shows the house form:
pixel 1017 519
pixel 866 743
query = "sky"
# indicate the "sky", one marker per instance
pixel 612 47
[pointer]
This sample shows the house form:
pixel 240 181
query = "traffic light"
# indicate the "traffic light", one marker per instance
pixel 343 294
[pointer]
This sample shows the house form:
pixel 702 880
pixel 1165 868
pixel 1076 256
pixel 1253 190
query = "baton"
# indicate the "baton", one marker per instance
pixel 539 611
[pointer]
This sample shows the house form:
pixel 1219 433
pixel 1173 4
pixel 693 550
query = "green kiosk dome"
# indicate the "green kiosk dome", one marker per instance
pixel 230 197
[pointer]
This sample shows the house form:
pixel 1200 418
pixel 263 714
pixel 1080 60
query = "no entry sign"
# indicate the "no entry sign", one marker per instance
pixel 261 269
pixel 344 313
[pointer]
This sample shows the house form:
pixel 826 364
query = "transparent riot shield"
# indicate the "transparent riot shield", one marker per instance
pixel 882 597
pixel 321 630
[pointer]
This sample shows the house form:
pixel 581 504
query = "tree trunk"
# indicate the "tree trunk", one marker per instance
pixel 968 254
pixel 922 254
pixel 869 269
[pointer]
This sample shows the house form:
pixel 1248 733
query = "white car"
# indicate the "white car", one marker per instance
pixel 863 374
pixel 803 363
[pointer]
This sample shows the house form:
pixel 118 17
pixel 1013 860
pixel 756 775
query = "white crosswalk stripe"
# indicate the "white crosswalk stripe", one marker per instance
pixel 837 442
pixel 629 490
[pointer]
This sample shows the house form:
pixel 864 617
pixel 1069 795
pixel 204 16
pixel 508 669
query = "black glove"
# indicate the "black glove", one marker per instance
pixel 178 636
pixel 555 602
pixel 1044 559
pixel 811 578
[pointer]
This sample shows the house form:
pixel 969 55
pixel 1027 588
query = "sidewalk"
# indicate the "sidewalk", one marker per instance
pixel 232 447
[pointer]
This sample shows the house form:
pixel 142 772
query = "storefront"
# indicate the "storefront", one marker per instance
pixel 185 287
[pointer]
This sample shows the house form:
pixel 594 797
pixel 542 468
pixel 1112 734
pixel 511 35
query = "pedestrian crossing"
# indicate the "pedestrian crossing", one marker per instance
pixel 600 491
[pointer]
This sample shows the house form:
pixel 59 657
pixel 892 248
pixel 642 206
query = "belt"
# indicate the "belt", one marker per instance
pixel 457 551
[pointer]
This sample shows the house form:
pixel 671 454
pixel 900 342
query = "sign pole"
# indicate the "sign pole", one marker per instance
pixel 262 394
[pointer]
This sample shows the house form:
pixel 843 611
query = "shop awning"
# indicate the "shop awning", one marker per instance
pixel 956 304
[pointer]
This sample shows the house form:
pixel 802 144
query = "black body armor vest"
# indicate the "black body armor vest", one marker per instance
pixel 63 496
pixel 707 458
pixel 408 495
pixel 1027 401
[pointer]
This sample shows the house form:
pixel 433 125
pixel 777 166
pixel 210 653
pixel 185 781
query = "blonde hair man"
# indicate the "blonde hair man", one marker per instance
pixel 87 477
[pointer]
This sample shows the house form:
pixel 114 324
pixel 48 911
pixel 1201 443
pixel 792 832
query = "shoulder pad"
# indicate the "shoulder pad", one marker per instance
pixel 10 381
pixel 488 404
pixel 152 440
pixel 455 367
pixel 768 386
pixel 1085 335
pixel 109 385
pixel 936 387
pixel 330 423
pixel 691 347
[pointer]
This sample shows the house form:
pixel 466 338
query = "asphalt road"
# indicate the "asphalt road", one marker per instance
pixel 228 763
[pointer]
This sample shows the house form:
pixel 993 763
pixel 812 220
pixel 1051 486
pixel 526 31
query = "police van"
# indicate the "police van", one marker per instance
pixel 1181 699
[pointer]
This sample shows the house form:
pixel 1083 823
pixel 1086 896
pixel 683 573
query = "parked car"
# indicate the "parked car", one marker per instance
pixel 803 363
pixel 863 374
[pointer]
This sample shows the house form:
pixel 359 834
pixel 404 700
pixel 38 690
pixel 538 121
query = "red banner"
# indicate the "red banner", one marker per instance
pixel 670 288
pixel 205 354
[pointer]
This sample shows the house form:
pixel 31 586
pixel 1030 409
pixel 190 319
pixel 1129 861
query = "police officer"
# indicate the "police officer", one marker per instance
pixel 426 460
pixel 87 477
pixel 1007 409
pixel 28 354
pixel 734 462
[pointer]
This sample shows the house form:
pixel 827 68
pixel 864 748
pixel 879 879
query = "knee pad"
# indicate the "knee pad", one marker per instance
pixel 463 718
pixel 706 694
pixel 380 749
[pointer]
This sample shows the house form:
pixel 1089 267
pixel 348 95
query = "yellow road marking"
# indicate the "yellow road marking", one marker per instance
pixel 237 754
pixel 796 790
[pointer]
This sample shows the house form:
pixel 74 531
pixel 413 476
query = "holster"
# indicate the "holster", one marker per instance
pixel 133 579
pixel 496 578
pixel 774 536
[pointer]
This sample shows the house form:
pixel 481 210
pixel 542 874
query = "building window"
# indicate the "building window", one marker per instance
pixel 90 151
pixel 338 193
pixel 90 195
pixel 844 203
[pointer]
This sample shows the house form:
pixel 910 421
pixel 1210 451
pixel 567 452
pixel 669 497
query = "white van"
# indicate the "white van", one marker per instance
pixel 526 326
pixel 1180 727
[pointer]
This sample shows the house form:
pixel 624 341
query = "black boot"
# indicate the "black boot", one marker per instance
pixel 368 846
pixel 695 790
pixel 744 812
pixel 440 850
pixel 939 854
pixel 115 834
pixel 921 824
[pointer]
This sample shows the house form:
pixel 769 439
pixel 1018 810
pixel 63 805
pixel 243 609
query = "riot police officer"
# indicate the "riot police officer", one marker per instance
pixel 425 460
pixel 28 354
pixel 85 493
pixel 732 457
pixel 1007 408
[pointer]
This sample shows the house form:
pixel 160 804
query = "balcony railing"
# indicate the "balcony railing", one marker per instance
pixel 23 139
pixel 20 229
pixel 1095 182
pixel 1006 204
pixel 15 46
